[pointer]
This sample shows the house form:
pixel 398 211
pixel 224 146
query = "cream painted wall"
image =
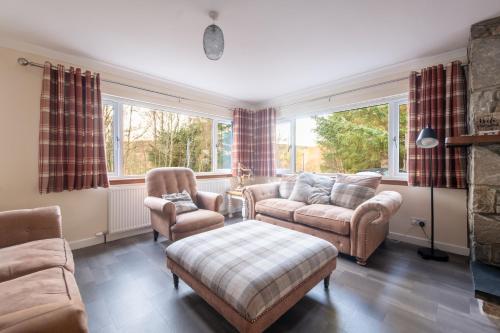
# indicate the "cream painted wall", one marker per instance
pixel 84 212
pixel 450 216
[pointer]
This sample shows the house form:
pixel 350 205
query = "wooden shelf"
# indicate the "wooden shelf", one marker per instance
pixel 466 140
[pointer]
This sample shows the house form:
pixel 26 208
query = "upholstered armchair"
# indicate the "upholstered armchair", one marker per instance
pixel 164 219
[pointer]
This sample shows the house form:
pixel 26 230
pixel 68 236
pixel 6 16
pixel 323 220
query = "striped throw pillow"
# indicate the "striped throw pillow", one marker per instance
pixel 183 202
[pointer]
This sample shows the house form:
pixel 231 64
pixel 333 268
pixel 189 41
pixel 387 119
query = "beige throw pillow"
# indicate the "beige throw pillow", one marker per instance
pixel 350 191
pixel 312 189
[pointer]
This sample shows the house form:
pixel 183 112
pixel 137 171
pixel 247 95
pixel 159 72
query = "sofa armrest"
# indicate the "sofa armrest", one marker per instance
pixel 209 200
pixel 161 207
pixel 258 192
pixel 26 225
pixel 369 223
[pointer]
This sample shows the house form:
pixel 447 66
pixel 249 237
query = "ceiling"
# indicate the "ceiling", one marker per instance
pixel 272 47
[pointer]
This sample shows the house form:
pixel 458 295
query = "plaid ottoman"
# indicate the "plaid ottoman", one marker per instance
pixel 251 272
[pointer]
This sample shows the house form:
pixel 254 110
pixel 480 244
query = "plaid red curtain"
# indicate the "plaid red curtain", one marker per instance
pixel 254 141
pixel 264 159
pixel 437 99
pixel 242 139
pixel 71 134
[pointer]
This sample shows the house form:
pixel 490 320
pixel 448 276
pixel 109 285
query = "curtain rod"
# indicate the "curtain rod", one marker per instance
pixel 26 62
pixel 330 96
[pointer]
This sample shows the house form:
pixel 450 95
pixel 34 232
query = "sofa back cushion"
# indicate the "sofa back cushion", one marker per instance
pixel 286 185
pixel 312 189
pixel 349 191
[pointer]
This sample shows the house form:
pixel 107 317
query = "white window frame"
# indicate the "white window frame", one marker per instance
pixel 118 102
pixel 215 138
pixel 281 171
pixel 393 130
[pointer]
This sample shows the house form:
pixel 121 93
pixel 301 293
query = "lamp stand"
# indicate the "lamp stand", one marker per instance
pixel 432 253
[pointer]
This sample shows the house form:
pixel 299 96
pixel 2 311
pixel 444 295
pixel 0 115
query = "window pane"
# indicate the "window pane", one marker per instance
pixel 108 114
pixel 153 138
pixel 224 143
pixel 283 146
pixel 403 128
pixel 348 141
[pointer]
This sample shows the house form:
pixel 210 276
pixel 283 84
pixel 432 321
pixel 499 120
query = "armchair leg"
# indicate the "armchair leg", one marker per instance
pixel 155 235
pixel 176 281
pixel 326 282
pixel 360 261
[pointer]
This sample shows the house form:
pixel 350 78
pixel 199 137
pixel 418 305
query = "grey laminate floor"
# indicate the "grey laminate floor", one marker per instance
pixel 127 288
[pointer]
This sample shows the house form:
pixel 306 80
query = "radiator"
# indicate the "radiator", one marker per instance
pixel 126 204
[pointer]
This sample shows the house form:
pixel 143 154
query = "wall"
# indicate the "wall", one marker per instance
pixel 450 204
pixel 84 212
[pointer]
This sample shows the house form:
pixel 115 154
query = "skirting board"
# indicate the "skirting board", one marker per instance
pixel 451 248
pixel 81 243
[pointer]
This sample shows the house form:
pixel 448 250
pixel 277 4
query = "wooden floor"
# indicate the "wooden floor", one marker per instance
pixel 127 288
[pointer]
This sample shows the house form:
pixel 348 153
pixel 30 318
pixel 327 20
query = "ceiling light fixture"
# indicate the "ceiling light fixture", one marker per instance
pixel 213 39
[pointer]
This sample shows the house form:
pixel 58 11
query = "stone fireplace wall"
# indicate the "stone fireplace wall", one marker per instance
pixel 484 160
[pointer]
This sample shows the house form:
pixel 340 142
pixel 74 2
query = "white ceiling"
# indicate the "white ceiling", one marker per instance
pixel 272 47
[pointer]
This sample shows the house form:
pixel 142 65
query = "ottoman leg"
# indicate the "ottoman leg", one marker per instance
pixel 326 282
pixel 176 281
pixel 155 235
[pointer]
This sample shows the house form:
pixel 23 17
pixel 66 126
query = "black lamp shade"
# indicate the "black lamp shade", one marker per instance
pixel 427 138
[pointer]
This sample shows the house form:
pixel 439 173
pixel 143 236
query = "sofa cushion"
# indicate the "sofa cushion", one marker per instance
pixel 26 258
pixel 325 217
pixel 44 301
pixel 195 220
pixel 350 191
pixel 312 189
pixel 287 184
pixel 280 208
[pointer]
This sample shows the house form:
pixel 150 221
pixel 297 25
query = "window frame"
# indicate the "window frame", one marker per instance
pixel 393 103
pixel 281 171
pixel 215 138
pixel 118 102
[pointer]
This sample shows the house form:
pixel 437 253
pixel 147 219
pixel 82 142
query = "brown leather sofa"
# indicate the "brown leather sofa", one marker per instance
pixel 356 232
pixel 38 290
pixel 164 220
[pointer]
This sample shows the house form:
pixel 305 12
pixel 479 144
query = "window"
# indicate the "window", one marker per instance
pixel 284 146
pixel 108 113
pixel 140 137
pixel 403 131
pixel 224 143
pixel 369 138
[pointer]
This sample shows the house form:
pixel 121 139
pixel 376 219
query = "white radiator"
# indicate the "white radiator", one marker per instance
pixel 126 204
pixel 126 208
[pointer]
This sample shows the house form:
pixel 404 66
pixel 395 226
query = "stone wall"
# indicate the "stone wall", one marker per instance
pixel 484 160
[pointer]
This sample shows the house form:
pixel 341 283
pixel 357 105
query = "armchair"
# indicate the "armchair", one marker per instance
pixel 164 219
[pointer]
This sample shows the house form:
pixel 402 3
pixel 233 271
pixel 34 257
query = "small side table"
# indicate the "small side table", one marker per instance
pixel 237 195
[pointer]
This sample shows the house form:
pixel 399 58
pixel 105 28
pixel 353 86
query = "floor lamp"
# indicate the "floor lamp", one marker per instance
pixel 427 139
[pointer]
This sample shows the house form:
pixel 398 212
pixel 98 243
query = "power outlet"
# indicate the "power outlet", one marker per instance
pixel 416 221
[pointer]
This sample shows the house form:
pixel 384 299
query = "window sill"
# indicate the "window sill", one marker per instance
pixel 141 180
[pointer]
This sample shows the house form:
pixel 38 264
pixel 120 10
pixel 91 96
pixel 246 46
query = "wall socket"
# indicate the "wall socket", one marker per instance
pixel 417 221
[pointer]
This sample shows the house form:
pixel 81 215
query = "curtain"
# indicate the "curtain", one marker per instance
pixel 437 99
pixel 71 133
pixel 242 139
pixel 254 141
pixel 264 159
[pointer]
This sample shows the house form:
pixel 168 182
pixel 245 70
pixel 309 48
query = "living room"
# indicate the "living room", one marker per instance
pixel 367 132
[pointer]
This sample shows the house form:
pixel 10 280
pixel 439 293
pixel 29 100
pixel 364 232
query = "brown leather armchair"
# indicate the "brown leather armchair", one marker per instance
pixel 164 219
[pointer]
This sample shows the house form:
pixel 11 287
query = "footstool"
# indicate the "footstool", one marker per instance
pixel 251 272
